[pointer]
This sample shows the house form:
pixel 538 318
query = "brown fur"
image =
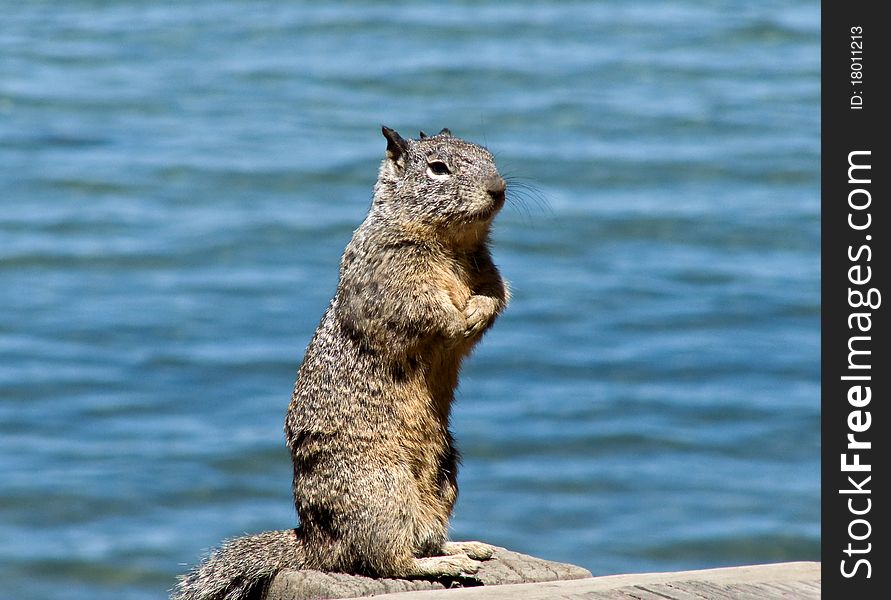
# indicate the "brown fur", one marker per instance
pixel 375 465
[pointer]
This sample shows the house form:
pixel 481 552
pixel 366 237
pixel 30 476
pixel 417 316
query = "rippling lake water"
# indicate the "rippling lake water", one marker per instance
pixel 178 182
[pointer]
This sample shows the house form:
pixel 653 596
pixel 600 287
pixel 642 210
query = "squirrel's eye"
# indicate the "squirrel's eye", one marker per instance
pixel 437 167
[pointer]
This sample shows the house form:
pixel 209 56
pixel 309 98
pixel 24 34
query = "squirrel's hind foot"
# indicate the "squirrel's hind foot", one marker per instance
pixel 453 565
pixel 475 550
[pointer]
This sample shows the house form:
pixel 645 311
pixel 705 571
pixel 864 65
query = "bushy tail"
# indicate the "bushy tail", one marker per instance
pixel 242 567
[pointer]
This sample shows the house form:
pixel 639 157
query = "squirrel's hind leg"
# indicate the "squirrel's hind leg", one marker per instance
pixel 460 558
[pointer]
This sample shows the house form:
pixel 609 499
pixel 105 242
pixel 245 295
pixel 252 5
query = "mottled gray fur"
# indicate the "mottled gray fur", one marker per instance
pixel 368 425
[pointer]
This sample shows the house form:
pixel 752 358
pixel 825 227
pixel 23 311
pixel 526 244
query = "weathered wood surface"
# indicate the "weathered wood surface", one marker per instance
pixel 505 567
pixel 497 581
pixel 796 580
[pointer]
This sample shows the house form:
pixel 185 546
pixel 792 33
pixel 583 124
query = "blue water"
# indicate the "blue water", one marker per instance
pixel 178 180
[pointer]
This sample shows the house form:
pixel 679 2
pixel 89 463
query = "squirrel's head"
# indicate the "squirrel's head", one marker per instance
pixel 440 181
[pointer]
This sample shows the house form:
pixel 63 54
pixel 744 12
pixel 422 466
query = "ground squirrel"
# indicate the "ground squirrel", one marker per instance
pixel 368 425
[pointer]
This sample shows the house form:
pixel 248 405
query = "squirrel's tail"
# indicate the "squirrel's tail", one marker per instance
pixel 242 567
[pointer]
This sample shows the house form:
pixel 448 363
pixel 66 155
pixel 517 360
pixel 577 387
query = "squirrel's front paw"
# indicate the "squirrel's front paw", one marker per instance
pixel 479 312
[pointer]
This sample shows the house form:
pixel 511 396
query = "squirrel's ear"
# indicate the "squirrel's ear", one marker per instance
pixel 424 136
pixel 445 131
pixel 396 146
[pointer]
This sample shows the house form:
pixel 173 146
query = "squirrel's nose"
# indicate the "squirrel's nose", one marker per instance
pixel 495 186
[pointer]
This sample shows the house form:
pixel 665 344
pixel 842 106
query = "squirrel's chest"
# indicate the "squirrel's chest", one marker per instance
pixel 455 277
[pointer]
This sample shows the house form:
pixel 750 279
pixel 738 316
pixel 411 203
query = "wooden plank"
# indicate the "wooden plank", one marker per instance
pixel 505 567
pixel 670 590
pixel 798 581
